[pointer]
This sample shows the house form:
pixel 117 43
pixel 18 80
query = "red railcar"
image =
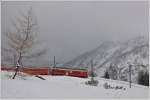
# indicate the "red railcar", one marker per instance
pixel 35 71
pixel 29 70
pixel 54 71
pixel 69 72
pixel 8 68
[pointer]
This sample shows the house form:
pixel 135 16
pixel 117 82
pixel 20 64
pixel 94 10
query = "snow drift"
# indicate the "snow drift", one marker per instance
pixel 28 86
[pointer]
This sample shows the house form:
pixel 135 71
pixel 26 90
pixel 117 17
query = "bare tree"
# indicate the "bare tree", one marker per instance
pixel 22 39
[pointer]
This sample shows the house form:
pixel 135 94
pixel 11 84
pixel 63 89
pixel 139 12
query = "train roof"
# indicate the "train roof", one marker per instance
pixel 61 67
pixel 73 68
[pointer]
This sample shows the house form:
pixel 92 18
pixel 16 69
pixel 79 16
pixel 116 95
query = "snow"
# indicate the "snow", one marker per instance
pixel 65 87
pixel 133 51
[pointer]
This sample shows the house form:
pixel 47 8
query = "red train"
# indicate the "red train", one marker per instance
pixel 69 72
pixel 53 71
pixel 29 70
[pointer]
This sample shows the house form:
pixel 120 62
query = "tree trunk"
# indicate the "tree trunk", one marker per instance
pixel 19 62
pixel 17 69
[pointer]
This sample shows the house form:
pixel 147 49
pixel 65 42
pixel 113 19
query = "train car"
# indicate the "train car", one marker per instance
pixel 69 72
pixel 7 68
pixel 35 71
pixel 30 70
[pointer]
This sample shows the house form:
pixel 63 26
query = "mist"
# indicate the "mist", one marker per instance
pixel 68 29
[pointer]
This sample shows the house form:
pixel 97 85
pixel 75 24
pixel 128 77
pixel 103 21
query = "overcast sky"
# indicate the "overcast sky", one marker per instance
pixel 69 29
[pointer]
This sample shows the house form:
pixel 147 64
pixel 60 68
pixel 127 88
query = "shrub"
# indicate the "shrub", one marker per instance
pixel 92 82
pixel 106 75
pixel 108 86
pixel 143 78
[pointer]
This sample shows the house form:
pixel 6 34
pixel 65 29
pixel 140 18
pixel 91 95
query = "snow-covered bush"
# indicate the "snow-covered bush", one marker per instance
pixel 113 71
pixel 92 82
pixel 108 86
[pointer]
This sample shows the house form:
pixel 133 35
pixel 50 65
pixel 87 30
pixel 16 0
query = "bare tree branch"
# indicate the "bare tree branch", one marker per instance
pixel 23 38
pixel 36 54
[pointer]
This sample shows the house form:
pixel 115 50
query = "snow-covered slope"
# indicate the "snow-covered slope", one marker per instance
pixel 134 51
pixel 66 87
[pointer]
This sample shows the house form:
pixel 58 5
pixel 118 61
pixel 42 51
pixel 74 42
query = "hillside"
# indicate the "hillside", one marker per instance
pixel 63 87
pixel 119 55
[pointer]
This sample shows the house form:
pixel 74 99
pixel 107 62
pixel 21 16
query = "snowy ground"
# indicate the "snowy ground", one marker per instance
pixel 65 87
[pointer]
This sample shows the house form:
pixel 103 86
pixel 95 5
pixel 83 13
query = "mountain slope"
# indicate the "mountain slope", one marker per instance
pixel 120 55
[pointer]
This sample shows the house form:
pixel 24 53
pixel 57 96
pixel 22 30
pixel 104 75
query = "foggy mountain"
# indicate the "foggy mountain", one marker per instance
pixel 120 55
